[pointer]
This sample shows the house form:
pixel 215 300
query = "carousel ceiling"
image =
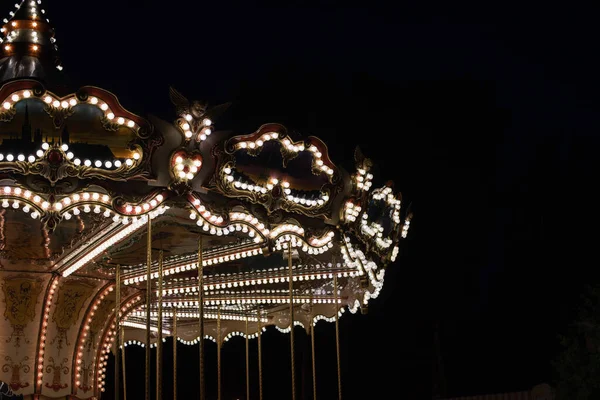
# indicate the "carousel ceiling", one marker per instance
pixel 87 187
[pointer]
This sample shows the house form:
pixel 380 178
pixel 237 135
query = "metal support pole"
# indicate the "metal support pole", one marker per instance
pixel 219 352
pixel 160 333
pixel 148 300
pixel 123 362
pixel 174 353
pixel 201 318
pixel 247 362
pixel 117 330
pixel 291 288
pixel 314 363
pixel 337 336
pixel 260 377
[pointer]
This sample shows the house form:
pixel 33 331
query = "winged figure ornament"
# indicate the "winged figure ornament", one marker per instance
pixel 195 118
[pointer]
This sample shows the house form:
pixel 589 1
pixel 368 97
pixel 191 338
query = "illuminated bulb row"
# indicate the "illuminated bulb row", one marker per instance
pixel 255 300
pixel 231 335
pixel 368 295
pixel 374 229
pixel 195 341
pixel 16 205
pixel 84 197
pixel 406 226
pixel 194 265
pixel 20 157
pixel 185 168
pixel 101 373
pixel 44 332
pixel 145 207
pixel 321 317
pixel 259 142
pixel 188 314
pixel 88 163
pixel 351 211
pixel 323 198
pixel 276 275
pixel 250 219
pixel 188 130
pixel 240 184
pixel 213 220
pixel 153 345
pixel 350 257
pixel 86 331
pixel 286 228
pixel 111 241
pixel 354 307
pixel 363 179
pixel 282 243
pixel 67 103
pixel 207 222
pixel 289 328
pixel 387 195
pixel 133 343
pixel 28 197
pixel 394 255
pixel 290 146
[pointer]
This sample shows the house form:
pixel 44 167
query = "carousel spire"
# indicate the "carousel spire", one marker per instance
pixel 28 47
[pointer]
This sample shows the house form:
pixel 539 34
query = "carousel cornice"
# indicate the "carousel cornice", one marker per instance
pixel 119 230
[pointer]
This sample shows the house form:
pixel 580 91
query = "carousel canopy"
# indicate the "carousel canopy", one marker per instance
pixel 283 234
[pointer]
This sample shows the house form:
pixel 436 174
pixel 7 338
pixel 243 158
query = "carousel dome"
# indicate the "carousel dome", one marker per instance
pixel 118 229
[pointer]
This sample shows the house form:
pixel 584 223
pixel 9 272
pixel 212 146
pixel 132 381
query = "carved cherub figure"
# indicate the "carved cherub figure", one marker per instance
pixel 196 115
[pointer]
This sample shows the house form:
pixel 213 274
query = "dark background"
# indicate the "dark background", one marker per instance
pixel 484 115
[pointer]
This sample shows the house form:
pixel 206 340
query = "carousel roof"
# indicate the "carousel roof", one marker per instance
pixel 87 187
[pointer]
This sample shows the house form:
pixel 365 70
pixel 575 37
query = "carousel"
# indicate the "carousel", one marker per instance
pixel 119 230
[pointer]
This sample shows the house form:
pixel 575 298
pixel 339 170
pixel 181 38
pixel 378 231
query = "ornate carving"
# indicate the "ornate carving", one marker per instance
pixel 20 296
pixel 87 375
pixel 194 116
pixel 16 368
pixel 58 114
pixel 7 115
pixel 71 297
pixel 55 370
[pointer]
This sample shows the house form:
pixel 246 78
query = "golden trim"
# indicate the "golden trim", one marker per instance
pixel 148 302
pixel 337 336
pixel 291 289
pixel 159 351
pixel 201 319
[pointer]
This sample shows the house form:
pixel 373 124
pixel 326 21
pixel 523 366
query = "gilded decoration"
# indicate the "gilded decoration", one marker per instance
pixel 195 118
pixel 15 368
pixel 57 370
pixel 269 168
pixel 87 134
pixel 20 296
pixel 71 297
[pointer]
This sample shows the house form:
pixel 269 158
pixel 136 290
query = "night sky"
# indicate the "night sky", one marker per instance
pixel 485 117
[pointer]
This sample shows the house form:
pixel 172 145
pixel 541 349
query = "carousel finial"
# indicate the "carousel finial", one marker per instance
pixel 28 41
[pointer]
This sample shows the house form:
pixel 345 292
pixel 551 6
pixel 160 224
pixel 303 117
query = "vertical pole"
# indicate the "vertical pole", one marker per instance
pixel 260 378
pixel 201 318
pixel 160 333
pixel 314 363
pixel 117 330
pixel 291 289
pixel 218 352
pixel 247 361
pixel 148 300
pixel 337 336
pixel 123 362
pixel 174 353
